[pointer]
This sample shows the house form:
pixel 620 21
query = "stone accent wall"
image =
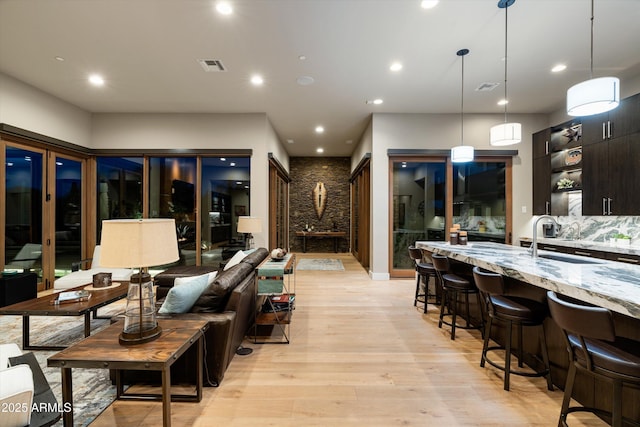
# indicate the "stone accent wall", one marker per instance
pixel 305 173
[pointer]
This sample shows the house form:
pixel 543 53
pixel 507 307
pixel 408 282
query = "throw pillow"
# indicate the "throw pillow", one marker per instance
pixel 184 294
pixel 182 280
pixel 235 260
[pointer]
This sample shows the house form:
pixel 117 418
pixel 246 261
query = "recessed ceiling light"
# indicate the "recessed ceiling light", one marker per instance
pixel 428 4
pixel 290 141
pixel 257 80
pixel 302 57
pixel 503 102
pixel 349 141
pixel 224 8
pixel 319 129
pixel 96 80
pixel 319 150
pixel 558 68
pixel 396 66
pixel 59 58
pixel 376 101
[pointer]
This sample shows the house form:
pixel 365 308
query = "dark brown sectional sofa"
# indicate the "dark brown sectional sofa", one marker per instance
pixel 228 305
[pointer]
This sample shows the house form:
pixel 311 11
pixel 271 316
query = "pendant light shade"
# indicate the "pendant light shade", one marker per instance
pixel 462 153
pixel 505 133
pixel 593 96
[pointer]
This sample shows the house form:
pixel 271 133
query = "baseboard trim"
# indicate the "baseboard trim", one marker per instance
pixel 378 276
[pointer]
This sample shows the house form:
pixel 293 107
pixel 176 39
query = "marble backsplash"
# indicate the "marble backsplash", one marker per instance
pixel 596 228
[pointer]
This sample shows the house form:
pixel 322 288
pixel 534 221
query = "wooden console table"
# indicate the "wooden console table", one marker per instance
pixel 335 235
pixel 103 351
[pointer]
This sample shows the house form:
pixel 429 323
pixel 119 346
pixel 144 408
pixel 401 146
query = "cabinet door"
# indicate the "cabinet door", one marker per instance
pixel 594 128
pixel 624 160
pixel 595 177
pixel 542 186
pixel 541 143
pixel 625 120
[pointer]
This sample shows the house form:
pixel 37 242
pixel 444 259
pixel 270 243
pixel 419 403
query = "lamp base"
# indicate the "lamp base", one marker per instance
pixel 132 338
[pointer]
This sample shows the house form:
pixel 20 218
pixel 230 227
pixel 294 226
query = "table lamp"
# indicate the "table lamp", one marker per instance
pixel 249 225
pixel 139 243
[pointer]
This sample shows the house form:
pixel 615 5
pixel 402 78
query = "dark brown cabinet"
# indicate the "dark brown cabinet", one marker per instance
pixel 613 124
pixel 610 169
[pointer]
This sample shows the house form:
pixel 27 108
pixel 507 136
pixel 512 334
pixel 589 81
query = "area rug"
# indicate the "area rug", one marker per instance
pixel 92 388
pixel 320 264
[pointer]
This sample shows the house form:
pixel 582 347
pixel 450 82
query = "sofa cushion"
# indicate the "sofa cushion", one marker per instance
pixel 184 294
pixel 214 298
pixel 256 257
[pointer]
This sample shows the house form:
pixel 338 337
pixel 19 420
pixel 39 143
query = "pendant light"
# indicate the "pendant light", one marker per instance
pixel 595 95
pixel 462 153
pixel 506 133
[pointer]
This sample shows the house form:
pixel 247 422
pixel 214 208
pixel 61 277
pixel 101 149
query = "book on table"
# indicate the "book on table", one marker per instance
pixel 72 296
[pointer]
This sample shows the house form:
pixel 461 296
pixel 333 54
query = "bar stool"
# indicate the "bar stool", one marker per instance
pixel 454 286
pixel 425 271
pixel 594 348
pixel 511 310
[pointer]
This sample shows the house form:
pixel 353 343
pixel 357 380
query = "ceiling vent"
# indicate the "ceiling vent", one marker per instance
pixel 212 65
pixel 487 87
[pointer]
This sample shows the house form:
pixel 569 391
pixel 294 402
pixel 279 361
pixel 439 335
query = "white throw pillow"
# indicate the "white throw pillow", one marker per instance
pixel 182 280
pixel 184 294
pixel 235 260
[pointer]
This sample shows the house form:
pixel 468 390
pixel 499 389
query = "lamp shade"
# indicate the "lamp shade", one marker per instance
pixel 506 134
pixel 593 96
pixel 462 154
pixel 131 243
pixel 249 224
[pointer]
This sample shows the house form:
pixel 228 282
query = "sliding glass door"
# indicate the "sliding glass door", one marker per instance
pixel 418 206
pixel 69 209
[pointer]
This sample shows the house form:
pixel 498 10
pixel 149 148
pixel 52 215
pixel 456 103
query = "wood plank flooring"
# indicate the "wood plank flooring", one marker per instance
pixel 360 355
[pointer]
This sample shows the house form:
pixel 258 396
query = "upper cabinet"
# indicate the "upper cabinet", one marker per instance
pixel 599 156
pixel 622 121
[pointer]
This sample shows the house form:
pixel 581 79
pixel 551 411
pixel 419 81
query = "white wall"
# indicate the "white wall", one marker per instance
pixel 26 107
pixel 441 131
pixel 199 131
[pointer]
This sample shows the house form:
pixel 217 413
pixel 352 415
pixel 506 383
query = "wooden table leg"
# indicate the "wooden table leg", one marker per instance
pixel 87 324
pixel 67 397
pixel 166 396
pixel 25 332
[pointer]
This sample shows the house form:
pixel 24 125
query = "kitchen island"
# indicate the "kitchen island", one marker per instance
pixel 609 284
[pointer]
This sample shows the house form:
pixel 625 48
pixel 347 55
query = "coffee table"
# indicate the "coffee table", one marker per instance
pixel 42 306
pixel 103 351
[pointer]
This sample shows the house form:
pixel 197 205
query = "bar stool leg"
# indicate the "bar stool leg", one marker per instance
pixel 454 315
pixel 466 301
pixel 485 346
pixel 568 390
pixel 545 357
pixel 507 355
pixel 415 300
pixel 480 307
pixel 520 350
pixel 443 303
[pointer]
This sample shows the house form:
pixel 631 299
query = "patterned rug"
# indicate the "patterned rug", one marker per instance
pixel 92 389
pixel 320 264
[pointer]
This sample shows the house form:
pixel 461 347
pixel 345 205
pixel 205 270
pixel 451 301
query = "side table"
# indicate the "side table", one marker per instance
pixel 102 351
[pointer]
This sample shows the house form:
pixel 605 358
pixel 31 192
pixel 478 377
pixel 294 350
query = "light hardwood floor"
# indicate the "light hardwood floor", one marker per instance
pixel 360 355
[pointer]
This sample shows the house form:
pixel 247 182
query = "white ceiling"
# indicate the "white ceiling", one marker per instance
pixel 147 51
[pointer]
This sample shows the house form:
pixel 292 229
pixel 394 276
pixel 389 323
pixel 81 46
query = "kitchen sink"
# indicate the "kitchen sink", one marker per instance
pixel 570 259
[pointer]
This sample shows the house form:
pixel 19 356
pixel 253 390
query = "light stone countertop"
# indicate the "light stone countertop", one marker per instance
pixel 609 284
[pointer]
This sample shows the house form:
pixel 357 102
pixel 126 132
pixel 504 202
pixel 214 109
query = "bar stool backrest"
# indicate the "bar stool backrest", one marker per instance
pixel 488 282
pixel 585 321
pixel 440 263
pixel 415 254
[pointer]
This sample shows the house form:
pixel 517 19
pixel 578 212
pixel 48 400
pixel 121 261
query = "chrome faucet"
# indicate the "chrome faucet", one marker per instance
pixel 534 245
